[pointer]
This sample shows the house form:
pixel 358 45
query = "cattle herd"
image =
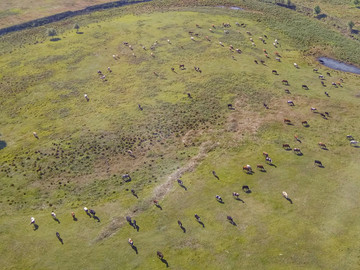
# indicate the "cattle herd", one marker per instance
pixel 194 37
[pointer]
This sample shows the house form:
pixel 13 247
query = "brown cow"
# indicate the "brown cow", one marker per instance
pixel 261 167
pixel 297 151
pixel 287 121
pixel 265 154
pixel 304 123
pixel 322 145
pixel 286 145
pixel 247 168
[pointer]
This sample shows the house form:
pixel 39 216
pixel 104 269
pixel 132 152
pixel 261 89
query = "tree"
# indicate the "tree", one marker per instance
pixel 317 10
pixel 356 2
pixel 351 25
pixel 51 32
pixel 76 26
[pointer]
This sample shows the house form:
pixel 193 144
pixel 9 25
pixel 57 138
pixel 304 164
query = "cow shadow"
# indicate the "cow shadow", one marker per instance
pixel 325 148
pixel 201 223
pixel 238 199
pixel 356 146
pixel 57 220
pixel 165 262
pixel 184 187
pixel 183 229
pixel 233 223
pixel 158 206
pixel 89 214
pixel 135 249
pixel 221 201
pixel 299 154
pixel 272 164
pixel 75 219
pixel 96 218
pixel 289 200
pixel 36 227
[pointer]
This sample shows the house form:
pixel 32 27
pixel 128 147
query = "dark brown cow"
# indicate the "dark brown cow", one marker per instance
pixel 285 82
pixel 287 121
pixel 322 145
pixel 286 145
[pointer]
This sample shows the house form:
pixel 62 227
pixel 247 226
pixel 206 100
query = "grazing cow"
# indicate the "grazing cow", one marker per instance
pixel 274 72
pixel 160 255
pixel 265 154
pixel 255 61
pixel 296 65
pixel 230 106
pixel 156 202
pixel 321 77
pixel 86 97
pixel 245 188
pixel 247 32
pixel 99 72
pixel 262 62
pixel 247 168
pixel 285 195
pixel 73 215
pixel 192 38
pixel 285 82
pixel 304 123
pixel 261 167
pixel 323 115
pixel 323 84
pixel 197 217
pixel 218 198
pixel 334 84
pixel 278 59
pixel 86 210
pixel 207 38
pixel 180 223
pixel 32 220
pixel 169 41
pixel 353 142
pixel 180 182
pixel 189 95
pixel 131 242
pixel 109 69
pixel 238 50
pixel 182 67
pixel 251 39
pixel 318 163
pixel 277 54
pixel 173 69
pixel 286 146
pixel 229 218
pixel 266 106
pixel 349 137
pixel 103 77
pixel 313 109
pixel 287 91
pixel 297 151
pixel 264 50
pixel 297 138
pixel 304 86
pixel 235 194
pixel 322 145
pixel 315 70
pixel 275 45
pixel 221 44
pixel 268 160
pixel 266 55
pixel 327 94
pixel 291 103
pixel 53 215
pixel 328 73
pixel 215 175
pixel 327 114
pixel 35 135
pixel 287 121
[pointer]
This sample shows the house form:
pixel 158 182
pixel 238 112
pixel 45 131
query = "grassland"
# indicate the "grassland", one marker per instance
pixel 82 150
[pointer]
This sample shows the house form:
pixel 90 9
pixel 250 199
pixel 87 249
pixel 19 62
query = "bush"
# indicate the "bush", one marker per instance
pixel 317 10
pixel 351 25
pixel 51 32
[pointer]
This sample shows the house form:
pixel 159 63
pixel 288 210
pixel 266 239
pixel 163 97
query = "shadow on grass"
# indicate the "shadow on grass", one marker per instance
pixel 321 16
pixel 36 227
pixel 183 229
pixel 165 262
pixel 240 200
pixel 2 144
pixel 55 39
pixel 289 200
pixel 79 33
pixel 202 224
pixel 135 249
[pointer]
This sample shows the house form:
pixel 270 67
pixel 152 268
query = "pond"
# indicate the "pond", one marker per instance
pixel 337 65
pixel 2 144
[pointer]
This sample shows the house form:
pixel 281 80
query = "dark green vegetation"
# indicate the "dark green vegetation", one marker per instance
pixel 85 147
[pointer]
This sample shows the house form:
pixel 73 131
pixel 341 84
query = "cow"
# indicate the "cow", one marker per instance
pixel 321 77
pixel 322 145
pixel 266 106
pixel 353 142
pixel 182 67
pixel 327 94
pixel 315 70
pixel 235 194
pixel 349 137
pixel 268 160
pixel 221 44
pixel 247 168
pixel 218 198
pixel 256 62
pixel 286 146
pixel 285 195
pixel 291 103
pixel 287 121
pixel 245 188
pixel 261 167
pixel 296 65
pixel 287 91
pixel 277 54
pixel 35 135
pixel 274 72
pixel 265 154
pixel 285 82
pixel 160 255
pixel 328 73
pixel 197 217
pixel 297 151
pixel 305 123
pixel 323 84
pixel 313 109
pixel 278 59
pixel 131 242
pixel 86 97
pixel 304 86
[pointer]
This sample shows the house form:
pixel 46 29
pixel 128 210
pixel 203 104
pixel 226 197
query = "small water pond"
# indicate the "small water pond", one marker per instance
pixel 2 144
pixel 337 65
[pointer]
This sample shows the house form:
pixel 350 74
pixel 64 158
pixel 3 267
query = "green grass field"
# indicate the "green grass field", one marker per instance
pixel 84 148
